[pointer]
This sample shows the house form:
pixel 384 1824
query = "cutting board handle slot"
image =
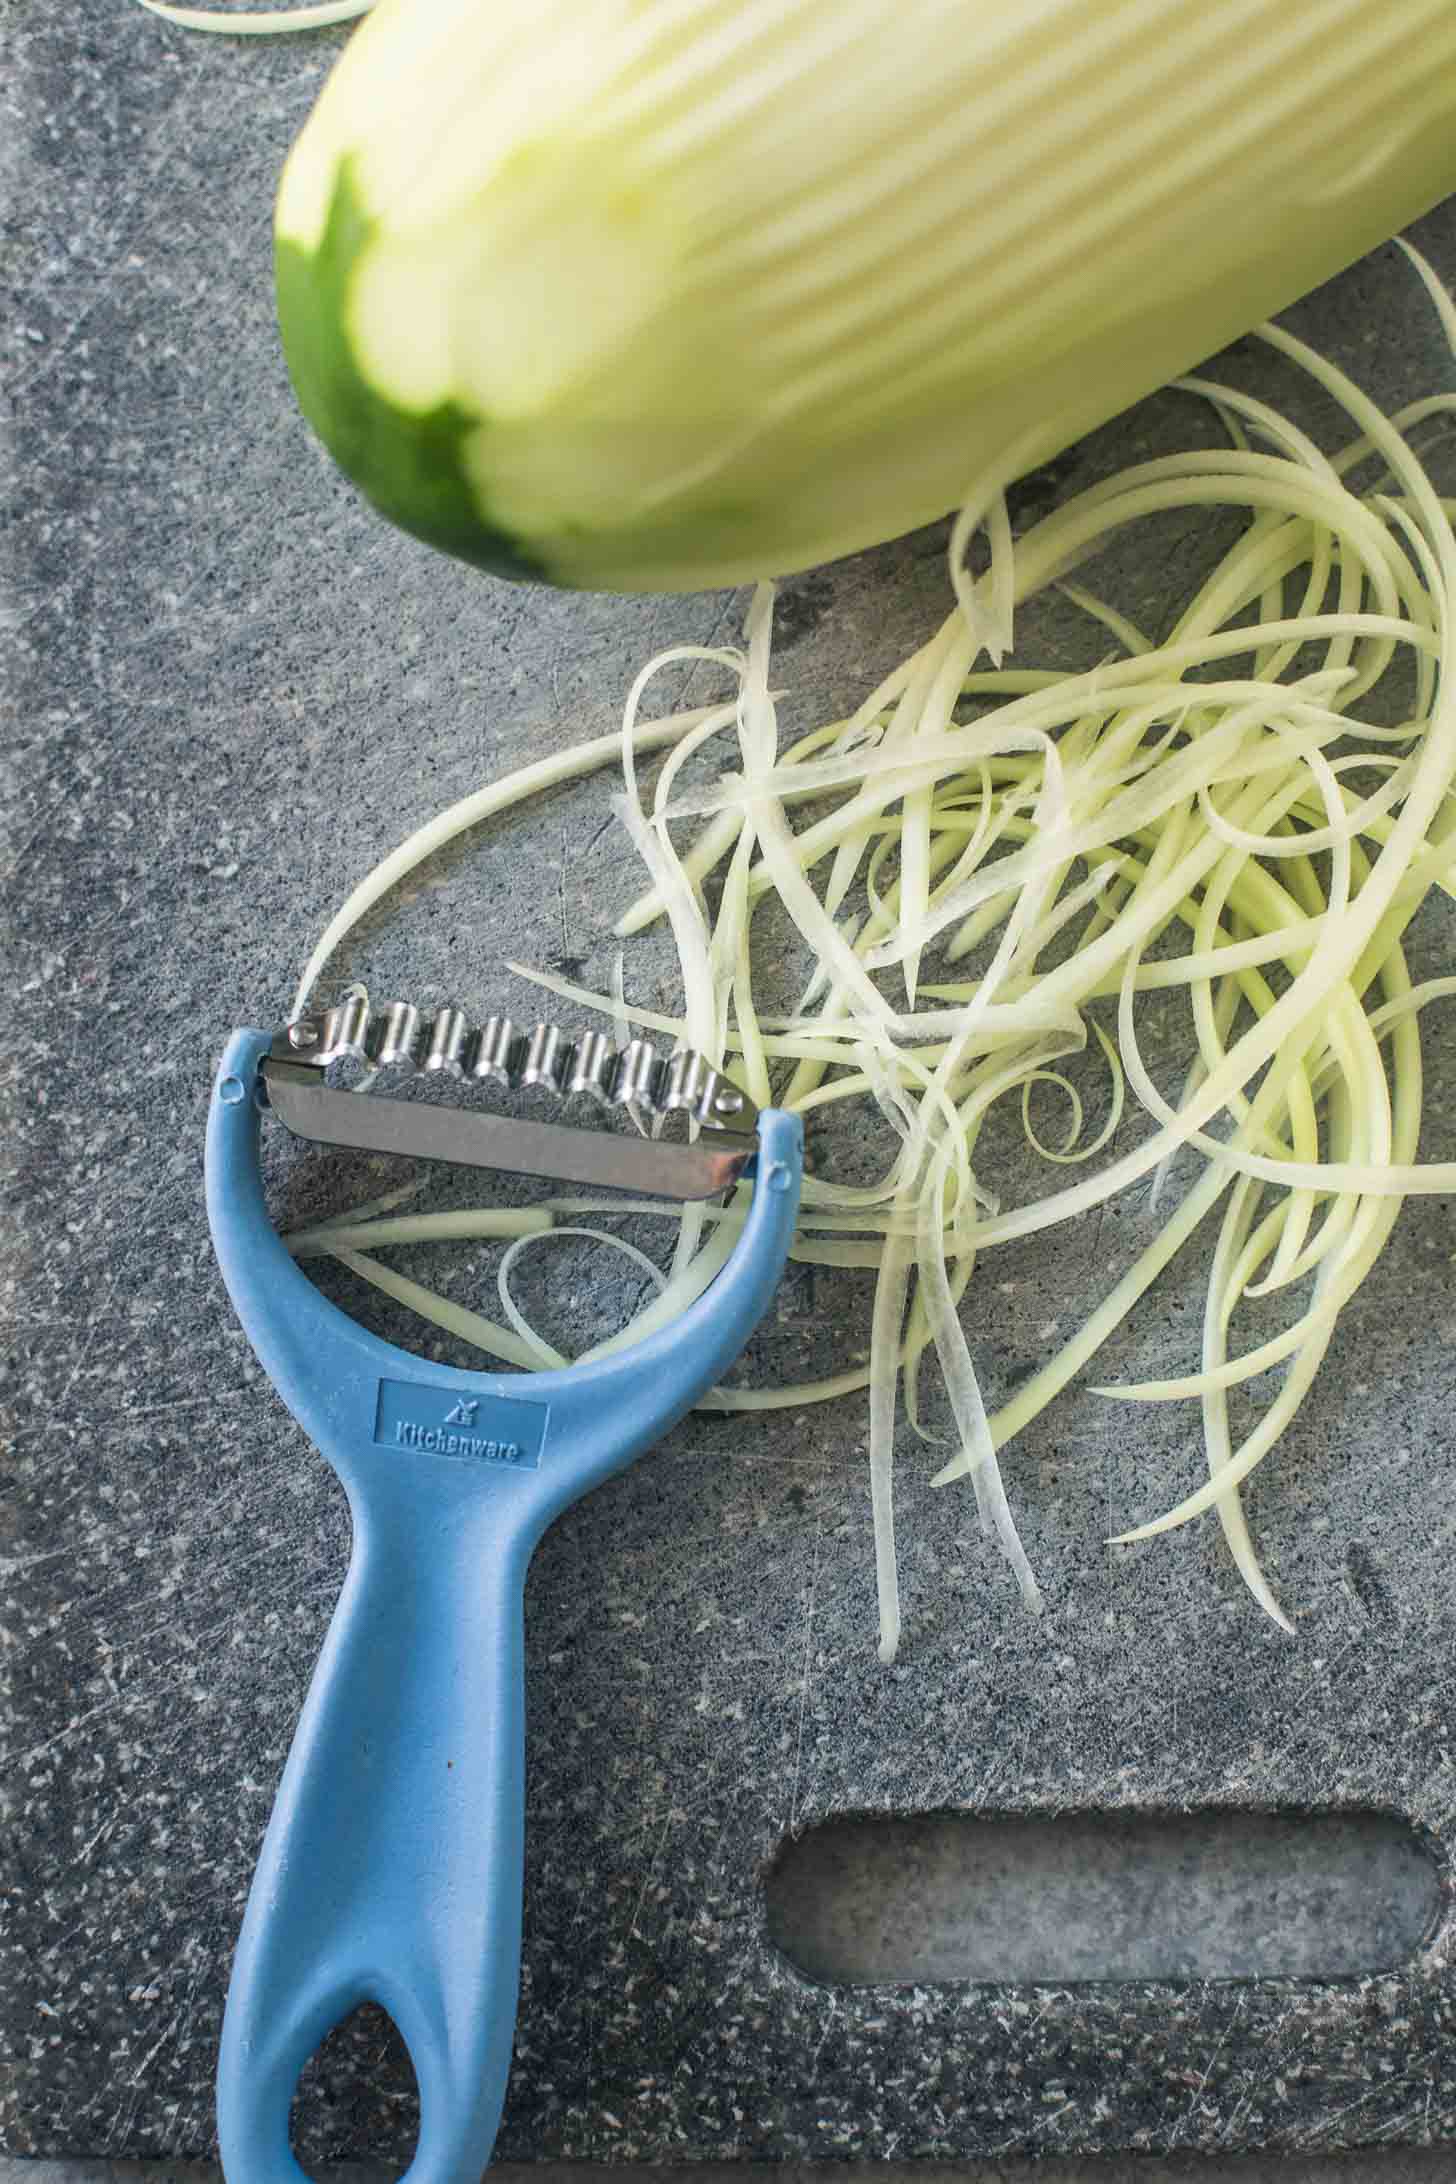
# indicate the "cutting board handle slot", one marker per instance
pixel 1070 1898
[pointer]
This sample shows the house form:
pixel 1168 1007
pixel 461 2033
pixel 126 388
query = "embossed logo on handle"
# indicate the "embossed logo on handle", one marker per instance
pixel 411 1416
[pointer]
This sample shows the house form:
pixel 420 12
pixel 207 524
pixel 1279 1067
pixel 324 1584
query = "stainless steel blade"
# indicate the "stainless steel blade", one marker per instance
pixel 597 1158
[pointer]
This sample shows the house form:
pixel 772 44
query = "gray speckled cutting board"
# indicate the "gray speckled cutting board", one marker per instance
pixel 227 690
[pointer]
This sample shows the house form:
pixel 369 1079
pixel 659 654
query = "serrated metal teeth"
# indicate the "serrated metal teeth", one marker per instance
pixel 548 1053
pixel 593 1068
pixel 341 1033
pixel 396 1043
pixel 492 1053
pixel 445 1047
pixel 686 1083
pixel 692 1086
pixel 638 1077
pixel 400 1039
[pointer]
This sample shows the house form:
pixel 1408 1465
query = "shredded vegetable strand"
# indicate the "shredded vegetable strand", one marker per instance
pixel 260 22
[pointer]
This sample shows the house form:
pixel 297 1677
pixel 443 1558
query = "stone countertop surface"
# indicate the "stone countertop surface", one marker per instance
pixel 228 689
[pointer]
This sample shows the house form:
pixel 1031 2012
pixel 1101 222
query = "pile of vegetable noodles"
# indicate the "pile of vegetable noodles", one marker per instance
pixel 1212 816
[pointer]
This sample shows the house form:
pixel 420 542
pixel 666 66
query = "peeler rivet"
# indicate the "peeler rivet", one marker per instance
pixel 778 1177
pixel 728 1103
pixel 230 1090
pixel 303 1034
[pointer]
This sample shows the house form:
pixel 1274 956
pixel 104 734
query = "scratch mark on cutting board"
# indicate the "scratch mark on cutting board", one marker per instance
pixel 1196 2096
pixel 85 1854
pixel 648 1876
pixel 1323 2128
pixel 806 1670
pixel 156 2048
pixel 1275 2056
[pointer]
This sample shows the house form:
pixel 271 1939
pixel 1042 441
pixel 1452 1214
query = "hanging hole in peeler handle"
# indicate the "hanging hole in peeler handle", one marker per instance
pixel 341 2069
pixel 358 2088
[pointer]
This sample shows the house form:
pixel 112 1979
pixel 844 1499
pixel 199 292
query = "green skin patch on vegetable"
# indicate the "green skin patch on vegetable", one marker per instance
pixel 409 463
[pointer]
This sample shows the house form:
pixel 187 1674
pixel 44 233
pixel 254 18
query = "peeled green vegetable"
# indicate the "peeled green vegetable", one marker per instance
pixel 660 294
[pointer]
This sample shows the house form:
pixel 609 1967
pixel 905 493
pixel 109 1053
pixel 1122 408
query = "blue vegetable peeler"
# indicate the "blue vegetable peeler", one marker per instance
pixel 391 1868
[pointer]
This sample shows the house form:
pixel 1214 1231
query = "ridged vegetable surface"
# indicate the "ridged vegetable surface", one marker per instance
pixel 660 294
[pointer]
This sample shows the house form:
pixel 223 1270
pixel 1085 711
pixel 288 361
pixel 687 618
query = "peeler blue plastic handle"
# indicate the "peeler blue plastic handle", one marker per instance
pixel 391 1868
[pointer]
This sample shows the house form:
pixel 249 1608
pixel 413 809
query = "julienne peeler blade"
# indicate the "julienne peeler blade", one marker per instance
pixel 400 1042
pixel 391 1868
pixel 504 1142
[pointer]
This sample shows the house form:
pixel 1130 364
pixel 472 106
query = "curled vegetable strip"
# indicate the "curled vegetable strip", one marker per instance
pixel 991 868
pixel 260 22
pixel 546 1355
